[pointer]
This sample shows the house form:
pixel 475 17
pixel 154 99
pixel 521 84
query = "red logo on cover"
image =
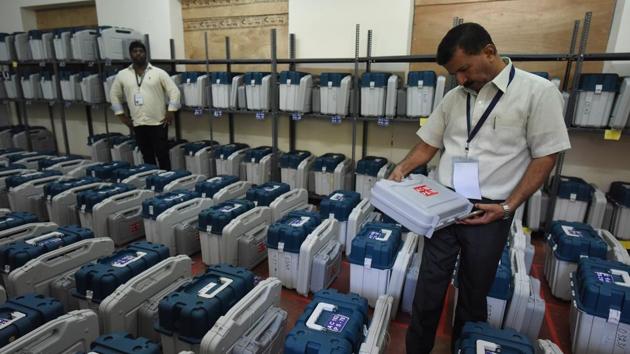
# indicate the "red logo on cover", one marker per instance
pixel 134 227
pixel 261 247
pixel 425 190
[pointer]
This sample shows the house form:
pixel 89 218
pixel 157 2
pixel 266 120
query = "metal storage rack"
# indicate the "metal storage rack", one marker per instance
pixel 569 58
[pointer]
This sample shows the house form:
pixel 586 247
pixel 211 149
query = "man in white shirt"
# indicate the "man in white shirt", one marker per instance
pixel 499 133
pixel 142 86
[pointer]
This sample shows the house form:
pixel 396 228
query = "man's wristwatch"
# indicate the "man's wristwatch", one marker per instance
pixel 507 213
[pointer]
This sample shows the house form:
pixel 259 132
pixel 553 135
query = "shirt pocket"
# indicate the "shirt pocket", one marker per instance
pixel 506 135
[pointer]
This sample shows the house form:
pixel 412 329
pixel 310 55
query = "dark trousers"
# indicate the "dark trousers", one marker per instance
pixel 153 143
pixel 480 248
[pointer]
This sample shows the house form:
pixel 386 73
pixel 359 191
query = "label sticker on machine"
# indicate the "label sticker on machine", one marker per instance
pixel 571 231
pixel 337 197
pixel 127 259
pixel 230 208
pixel 425 190
pixel 53 239
pixel 382 235
pixel 299 222
pixel 15 316
pixel 605 277
pixel 337 323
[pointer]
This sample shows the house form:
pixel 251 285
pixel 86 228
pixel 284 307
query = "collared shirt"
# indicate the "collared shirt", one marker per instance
pixel 526 123
pixel 155 84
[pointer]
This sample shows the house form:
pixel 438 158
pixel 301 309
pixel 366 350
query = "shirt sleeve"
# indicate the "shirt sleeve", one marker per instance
pixel 172 91
pixel 432 132
pixel 546 130
pixel 116 95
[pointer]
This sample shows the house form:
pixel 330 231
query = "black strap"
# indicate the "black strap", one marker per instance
pixel 139 82
pixel 486 114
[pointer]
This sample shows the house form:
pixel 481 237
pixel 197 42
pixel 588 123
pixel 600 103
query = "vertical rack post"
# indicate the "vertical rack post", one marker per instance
pixel 51 114
pixel 567 70
pixel 368 68
pixel 228 67
pixel 22 106
pixel 292 123
pixel 209 88
pixel 99 68
pixel 568 119
pixel 62 109
pixel 275 175
pixel 178 122
pixel 355 96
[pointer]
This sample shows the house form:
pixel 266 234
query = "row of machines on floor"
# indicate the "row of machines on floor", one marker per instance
pixel 167 306
pixel 77 43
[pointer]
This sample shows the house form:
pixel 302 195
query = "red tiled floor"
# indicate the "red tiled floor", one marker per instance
pixel 555 325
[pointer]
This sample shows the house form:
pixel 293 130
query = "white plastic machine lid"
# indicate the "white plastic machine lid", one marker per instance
pixel 419 203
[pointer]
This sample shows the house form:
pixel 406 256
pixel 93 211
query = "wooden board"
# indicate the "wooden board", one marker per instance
pixel 67 16
pixel 516 28
pixel 248 23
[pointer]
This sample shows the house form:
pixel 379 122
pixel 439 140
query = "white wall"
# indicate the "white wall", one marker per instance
pixel 18 15
pixel 326 28
pixel 619 40
pixel 160 19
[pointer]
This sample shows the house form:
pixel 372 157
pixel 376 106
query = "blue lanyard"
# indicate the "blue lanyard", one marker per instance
pixel 486 114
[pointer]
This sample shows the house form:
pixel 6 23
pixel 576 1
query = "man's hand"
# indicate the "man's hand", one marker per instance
pixel 168 118
pixel 397 174
pixel 125 120
pixel 492 212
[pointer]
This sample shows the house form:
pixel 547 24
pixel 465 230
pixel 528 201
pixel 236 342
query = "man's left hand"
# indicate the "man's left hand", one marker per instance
pixel 492 212
pixel 168 118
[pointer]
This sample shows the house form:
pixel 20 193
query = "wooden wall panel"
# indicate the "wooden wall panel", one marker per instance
pixel 80 15
pixel 246 22
pixel 516 26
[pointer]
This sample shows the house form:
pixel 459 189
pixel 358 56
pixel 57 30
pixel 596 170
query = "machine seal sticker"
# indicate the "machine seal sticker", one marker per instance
pixel 382 235
pixel 571 231
pixel 127 259
pixel 299 222
pixel 337 323
pixel 15 316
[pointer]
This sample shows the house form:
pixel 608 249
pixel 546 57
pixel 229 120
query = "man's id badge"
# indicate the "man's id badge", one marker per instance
pixel 138 100
pixel 466 177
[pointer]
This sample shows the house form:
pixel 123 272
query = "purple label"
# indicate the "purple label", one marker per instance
pixel 53 242
pixel 605 277
pixel 337 323
pixel 375 235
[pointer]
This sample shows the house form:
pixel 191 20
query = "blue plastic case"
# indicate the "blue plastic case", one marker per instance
pixel 106 170
pixel 16 254
pixel 22 314
pixel 155 206
pixel 292 230
pixel 192 309
pixel 293 159
pixel 210 187
pixel 370 165
pixel 159 181
pixel 215 218
pixel 343 327
pixel 16 218
pixel 379 242
pixel 340 204
pixel 105 275
pixel 266 193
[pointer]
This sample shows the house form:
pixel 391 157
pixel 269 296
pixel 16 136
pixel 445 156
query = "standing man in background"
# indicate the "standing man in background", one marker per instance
pixel 499 132
pixel 143 86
